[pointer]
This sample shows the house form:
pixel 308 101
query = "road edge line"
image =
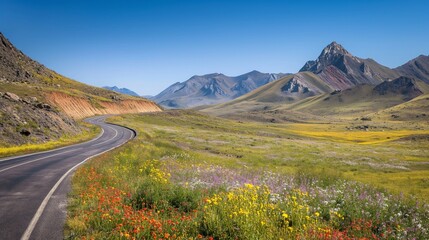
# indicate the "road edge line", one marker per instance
pixel 52 150
pixel 45 201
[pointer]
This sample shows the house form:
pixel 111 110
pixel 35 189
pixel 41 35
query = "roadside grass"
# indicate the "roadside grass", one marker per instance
pixel 89 131
pixel 191 176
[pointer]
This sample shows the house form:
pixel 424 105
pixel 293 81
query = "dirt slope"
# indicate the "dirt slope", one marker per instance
pixel 38 104
pixel 78 107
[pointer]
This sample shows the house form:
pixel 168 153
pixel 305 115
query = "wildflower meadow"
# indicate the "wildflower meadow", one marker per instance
pixel 154 189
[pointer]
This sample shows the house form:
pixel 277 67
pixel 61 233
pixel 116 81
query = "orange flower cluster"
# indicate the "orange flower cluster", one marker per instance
pixel 113 216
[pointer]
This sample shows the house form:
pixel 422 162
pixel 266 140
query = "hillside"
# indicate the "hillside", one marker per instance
pixel 38 104
pixel 335 84
pixel 211 89
pixel 340 69
pixel 362 99
pixel 283 91
pixel 417 67
pixel 413 110
pixel 334 69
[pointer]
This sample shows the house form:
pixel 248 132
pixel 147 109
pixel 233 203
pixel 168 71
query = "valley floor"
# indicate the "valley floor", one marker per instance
pixel 189 175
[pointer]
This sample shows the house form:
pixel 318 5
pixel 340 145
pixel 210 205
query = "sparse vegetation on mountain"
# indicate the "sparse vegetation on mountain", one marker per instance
pixel 38 105
pixel 417 68
pixel 212 88
pixel 335 85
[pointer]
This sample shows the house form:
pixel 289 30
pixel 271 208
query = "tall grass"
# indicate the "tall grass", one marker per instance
pixel 161 187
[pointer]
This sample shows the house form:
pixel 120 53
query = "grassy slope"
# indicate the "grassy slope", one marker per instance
pixel 267 96
pixel 61 84
pixel 415 110
pixel 353 102
pixel 27 78
pixel 187 176
pixel 67 86
pixel 88 131
pixel 383 153
pixel 356 101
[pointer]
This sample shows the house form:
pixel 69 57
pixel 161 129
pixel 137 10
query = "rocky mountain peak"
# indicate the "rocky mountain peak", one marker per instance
pixel 334 49
pixel 333 54
pixel 341 70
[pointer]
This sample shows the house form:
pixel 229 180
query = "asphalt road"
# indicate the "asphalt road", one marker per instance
pixel 33 188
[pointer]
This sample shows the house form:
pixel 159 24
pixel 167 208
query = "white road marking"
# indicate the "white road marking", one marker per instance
pixel 56 149
pixel 45 201
pixel 35 160
pixel 116 134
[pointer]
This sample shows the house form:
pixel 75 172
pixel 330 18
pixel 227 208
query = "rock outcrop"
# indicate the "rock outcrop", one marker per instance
pixel 24 120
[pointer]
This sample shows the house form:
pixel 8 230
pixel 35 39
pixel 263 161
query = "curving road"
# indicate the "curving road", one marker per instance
pixel 33 188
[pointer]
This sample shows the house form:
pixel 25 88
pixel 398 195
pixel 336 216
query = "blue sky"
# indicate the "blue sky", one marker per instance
pixel 148 45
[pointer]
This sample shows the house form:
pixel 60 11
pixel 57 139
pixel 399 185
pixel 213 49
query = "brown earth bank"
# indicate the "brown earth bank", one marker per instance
pixel 39 105
pixel 25 118
pixel 79 107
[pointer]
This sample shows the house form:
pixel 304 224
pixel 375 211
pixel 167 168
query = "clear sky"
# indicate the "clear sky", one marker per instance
pixel 148 45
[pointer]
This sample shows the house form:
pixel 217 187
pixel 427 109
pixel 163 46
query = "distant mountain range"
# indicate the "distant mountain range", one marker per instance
pixel 336 83
pixel 212 88
pixel 335 69
pixel 122 90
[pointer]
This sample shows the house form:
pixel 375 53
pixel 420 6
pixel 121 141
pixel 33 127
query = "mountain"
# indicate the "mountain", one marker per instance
pixel 335 84
pixel 335 69
pixel 212 88
pixel 38 104
pixel 125 91
pixel 362 99
pixel 285 90
pixel 417 67
pixel 341 70
pixel 413 110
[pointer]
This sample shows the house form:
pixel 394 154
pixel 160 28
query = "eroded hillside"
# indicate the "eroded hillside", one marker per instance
pixel 80 107
pixel 38 104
